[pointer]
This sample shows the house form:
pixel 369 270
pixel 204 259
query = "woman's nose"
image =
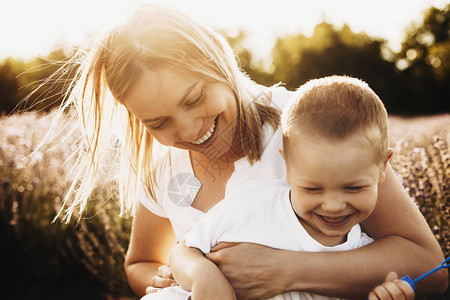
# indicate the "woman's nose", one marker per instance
pixel 188 129
pixel 187 135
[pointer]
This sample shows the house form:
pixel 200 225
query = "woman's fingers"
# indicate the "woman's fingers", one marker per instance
pixel 250 269
pixel 223 245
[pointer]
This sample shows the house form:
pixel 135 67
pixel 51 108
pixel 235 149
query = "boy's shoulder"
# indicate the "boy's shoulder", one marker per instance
pixel 256 185
pixel 257 190
pixel 253 199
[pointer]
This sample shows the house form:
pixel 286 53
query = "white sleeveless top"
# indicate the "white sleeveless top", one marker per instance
pixel 177 187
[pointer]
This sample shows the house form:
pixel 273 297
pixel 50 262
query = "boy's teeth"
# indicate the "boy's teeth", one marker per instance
pixel 207 135
pixel 334 219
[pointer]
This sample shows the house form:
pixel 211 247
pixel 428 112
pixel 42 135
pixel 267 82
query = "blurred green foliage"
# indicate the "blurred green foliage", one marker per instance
pixel 38 84
pixel 42 259
pixel 413 81
pixel 329 51
pixel 425 56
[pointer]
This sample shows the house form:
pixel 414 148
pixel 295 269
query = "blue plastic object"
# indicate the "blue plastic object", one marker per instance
pixel 443 265
pixel 409 281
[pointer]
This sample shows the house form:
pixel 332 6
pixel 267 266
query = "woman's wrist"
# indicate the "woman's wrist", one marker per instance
pixel 286 271
pixel 289 271
pixel 304 271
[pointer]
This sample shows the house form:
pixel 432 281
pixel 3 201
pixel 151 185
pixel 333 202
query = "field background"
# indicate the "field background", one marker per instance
pixel 41 260
pixel 44 260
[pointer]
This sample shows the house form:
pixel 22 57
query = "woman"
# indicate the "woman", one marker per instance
pixel 195 127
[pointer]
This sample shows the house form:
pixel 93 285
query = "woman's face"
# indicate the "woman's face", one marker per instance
pixel 182 109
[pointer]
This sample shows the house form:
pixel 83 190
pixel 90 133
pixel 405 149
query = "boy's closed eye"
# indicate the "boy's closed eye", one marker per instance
pixel 312 190
pixel 353 189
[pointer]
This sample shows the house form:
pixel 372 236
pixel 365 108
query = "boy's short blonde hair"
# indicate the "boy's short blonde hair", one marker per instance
pixel 336 107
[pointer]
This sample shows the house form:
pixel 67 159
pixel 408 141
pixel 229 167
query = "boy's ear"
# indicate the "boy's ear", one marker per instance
pixel 389 154
pixel 285 163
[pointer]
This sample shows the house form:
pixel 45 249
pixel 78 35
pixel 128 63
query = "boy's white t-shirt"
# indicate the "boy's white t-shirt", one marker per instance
pixel 260 212
pixel 177 182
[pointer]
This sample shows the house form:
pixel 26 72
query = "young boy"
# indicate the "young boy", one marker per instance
pixel 335 146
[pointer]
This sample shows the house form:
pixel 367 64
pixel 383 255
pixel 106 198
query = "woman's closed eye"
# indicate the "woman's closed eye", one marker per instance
pixel 158 126
pixel 196 101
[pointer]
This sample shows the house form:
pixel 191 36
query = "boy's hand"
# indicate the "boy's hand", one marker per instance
pixel 163 279
pixel 392 289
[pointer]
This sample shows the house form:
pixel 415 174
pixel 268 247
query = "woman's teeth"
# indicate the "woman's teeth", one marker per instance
pixel 207 135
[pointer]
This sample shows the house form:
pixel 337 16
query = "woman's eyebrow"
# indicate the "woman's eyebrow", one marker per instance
pixel 183 98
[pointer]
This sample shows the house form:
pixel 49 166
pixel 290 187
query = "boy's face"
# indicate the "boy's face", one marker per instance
pixel 334 184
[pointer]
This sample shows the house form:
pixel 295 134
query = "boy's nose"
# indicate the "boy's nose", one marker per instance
pixel 334 203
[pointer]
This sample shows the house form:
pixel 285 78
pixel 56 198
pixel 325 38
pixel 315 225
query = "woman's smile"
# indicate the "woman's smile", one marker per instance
pixel 207 136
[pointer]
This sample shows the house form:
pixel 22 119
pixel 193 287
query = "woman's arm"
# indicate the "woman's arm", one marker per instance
pixel 152 239
pixel 404 244
pixel 195 273
pixel 397 217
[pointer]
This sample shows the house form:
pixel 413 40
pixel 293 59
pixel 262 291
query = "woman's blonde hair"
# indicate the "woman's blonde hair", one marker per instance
pixel 155 35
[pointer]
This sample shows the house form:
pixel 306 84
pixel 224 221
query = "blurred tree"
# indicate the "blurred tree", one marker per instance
pixel 38 84
pixel 9 87
pixel 46 80
pixel 330 51
pixel 424 62
pixel 413 81
pixel 253 68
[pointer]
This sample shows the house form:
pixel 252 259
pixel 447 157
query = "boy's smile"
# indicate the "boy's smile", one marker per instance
pixel 334 184
pixel 335 221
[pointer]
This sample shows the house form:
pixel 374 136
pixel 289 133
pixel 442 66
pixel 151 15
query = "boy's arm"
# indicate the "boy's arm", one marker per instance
pixel 195 273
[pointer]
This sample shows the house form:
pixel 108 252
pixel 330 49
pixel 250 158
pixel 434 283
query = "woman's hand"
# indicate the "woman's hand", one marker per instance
pixel 164 278
pixel 392 288
pixel 251 269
